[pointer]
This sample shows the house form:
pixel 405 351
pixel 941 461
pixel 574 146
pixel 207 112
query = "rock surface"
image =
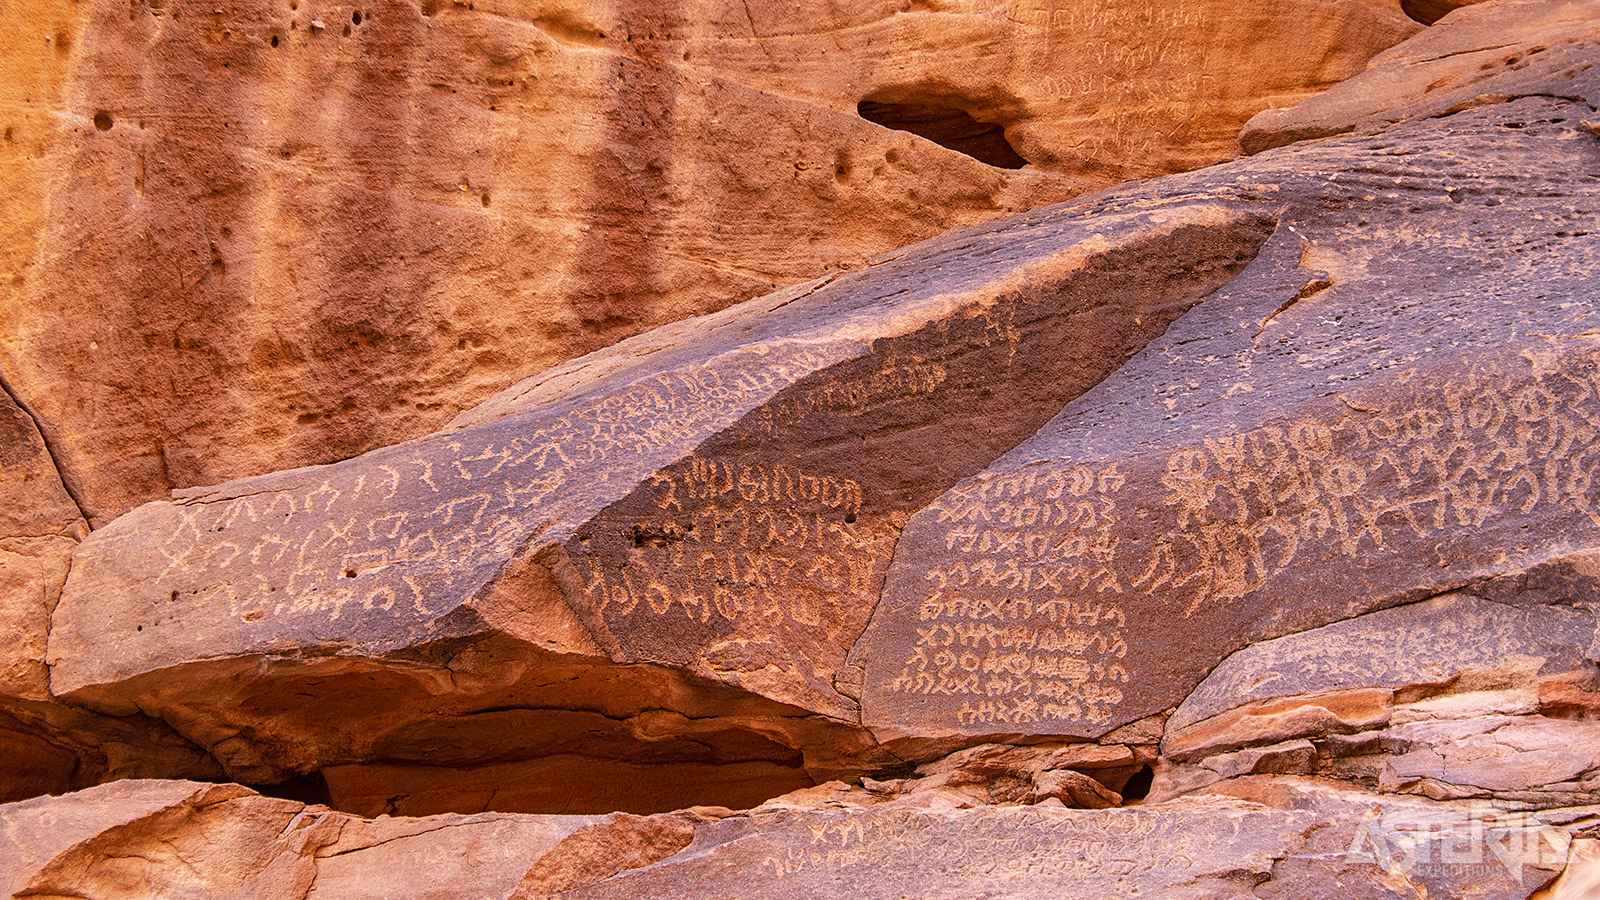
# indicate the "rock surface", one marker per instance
pixel 254 235
pixel 1375 412
pixel 1453 697
pixel 663 557
pixel 180 839
pixel 51 747
pixel 715 500
pixel 1231 533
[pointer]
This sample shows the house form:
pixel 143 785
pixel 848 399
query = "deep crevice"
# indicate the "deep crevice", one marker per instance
pixel 311 789
pixel 1138 787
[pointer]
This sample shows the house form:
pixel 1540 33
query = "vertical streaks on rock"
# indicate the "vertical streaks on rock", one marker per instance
pixel 270 233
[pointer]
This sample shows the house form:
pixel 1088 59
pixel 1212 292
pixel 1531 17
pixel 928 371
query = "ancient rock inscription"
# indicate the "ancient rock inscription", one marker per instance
pixel 1049 587
pixel 769 542
pixel 1013 842
pixel 899 852
pixel 1034 649
pixel 411 529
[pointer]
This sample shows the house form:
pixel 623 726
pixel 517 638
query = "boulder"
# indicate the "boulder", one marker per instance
pixel 679 536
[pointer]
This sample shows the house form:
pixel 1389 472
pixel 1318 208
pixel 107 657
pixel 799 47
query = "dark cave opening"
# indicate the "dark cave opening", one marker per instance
pixel 1138 787
pixel 948 126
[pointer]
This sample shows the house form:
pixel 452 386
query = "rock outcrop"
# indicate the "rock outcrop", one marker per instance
pixel 258 235
pixel 178 839
pixel 1375 412
pixel 1287 404
pixel 717 501
pixel 1230 533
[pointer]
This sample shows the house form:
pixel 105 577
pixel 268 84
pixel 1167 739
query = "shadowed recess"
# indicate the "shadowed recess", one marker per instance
pixel 1428 12
pixel 948 126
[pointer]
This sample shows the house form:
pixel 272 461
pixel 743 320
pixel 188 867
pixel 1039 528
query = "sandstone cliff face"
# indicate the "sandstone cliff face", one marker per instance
pixel 254 235
pixel 1230 533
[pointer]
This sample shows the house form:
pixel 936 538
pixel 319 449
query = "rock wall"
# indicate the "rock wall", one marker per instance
pixel 1229 533
pixel 248 236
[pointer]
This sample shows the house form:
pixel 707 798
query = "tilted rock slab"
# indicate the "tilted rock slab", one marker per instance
pixel 1398 398
pixel 1486 54
pixel 1364 399
pixel 177 839
pixel 678 534
pixel 253 236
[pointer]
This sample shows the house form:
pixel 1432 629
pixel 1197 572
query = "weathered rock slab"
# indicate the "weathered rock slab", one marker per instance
pixel 705 511
pixel 1371 414
pixel 1483 55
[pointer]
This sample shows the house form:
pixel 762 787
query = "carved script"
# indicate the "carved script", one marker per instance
pixel 1021 619
pixel 394 530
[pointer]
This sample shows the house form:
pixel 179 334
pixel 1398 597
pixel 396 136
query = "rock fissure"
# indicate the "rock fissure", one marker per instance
pixel 49 454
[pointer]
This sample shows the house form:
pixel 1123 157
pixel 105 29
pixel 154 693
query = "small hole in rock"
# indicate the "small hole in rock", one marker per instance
pixel 1138 787
pixel 349 573
pixel 355 17
pixel 946 122
pixel 274 40
pixel 102 120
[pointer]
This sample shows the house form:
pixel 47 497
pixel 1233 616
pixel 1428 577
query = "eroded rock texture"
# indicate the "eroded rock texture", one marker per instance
pixel 250 235
pixel 1231 533
pixel 1394 401
pixel 48 746
pixel 1298 388
pixel 166 839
